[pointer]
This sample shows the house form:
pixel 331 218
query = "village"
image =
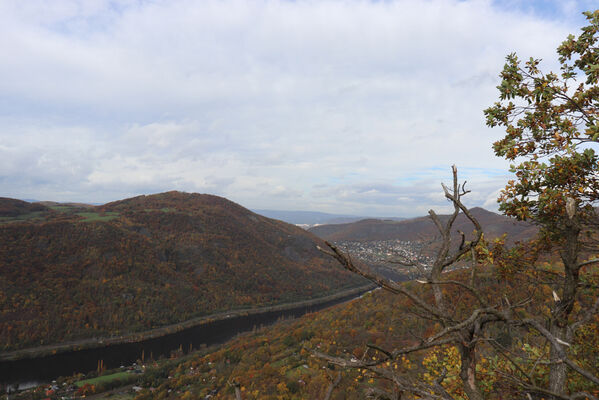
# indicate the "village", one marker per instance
pixel 389 255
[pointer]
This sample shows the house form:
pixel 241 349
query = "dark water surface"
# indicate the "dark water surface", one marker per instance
pixel 45 369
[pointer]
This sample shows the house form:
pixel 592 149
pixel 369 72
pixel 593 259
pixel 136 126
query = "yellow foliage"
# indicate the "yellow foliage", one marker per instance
pixel 282 388
pixel 444 358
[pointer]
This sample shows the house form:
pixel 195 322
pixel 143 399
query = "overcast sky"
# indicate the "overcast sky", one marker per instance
pixel 356 107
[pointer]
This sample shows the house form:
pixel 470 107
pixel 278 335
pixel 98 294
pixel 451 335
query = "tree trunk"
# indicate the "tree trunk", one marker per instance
pixel 468 371
pixel 557 370
pixel 563 307
pixel 435 276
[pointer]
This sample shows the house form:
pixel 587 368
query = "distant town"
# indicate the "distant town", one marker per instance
pixel 387 254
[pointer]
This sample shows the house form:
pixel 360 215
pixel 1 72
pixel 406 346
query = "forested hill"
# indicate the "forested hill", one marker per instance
pixel 422 228
pixel 12 207
pixel 70 272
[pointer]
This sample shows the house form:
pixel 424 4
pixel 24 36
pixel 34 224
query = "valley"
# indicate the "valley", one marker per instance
pixel 44 364
pixel 290 200
pixel 72 272
pixel 196 272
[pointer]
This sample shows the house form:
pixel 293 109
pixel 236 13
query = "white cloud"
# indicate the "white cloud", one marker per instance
pixel 261 102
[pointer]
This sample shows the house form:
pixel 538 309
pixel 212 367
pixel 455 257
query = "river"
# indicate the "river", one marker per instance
pixel 30 371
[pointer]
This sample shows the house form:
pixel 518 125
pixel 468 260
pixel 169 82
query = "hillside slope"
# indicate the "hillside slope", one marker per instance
pixel 279 361
pixel 146 262
pixel 422 228
pixel 14 208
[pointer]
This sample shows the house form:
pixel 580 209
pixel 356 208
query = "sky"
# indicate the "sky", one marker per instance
pixel 340 106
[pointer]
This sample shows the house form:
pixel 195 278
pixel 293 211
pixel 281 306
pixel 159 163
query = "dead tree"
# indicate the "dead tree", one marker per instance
pixel 461 333
pixel 466 332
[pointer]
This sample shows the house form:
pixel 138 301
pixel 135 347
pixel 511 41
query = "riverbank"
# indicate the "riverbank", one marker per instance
pixel 93 343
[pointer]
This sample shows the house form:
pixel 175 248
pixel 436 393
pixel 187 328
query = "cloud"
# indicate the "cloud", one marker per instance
pixel 328 105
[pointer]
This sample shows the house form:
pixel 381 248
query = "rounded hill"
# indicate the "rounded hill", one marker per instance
pixel 14 207
pixel 150 261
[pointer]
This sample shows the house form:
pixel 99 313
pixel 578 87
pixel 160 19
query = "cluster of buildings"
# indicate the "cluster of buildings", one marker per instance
pixel 387 253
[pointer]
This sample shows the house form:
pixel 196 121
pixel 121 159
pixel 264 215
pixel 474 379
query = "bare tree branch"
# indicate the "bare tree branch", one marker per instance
pixel 383 282
pixel 558 344
pixel 333 383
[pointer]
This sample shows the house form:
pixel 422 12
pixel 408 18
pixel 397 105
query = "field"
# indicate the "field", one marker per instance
pixel 94 216
pixel 61 210
pixel 105 379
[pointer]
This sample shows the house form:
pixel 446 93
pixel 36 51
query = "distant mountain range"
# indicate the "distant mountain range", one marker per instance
pixel 422 228
pixel 311 218
pixel 70 271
